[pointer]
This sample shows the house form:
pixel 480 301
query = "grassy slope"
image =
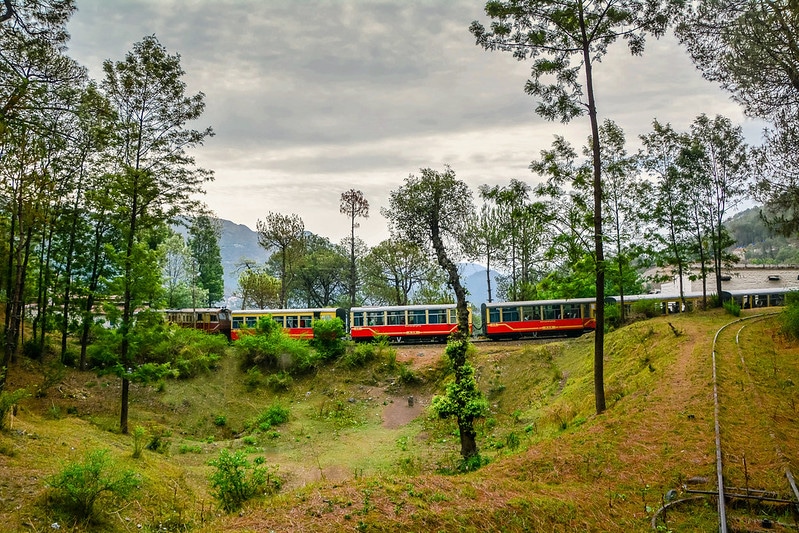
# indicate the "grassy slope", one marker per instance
pixel 554 464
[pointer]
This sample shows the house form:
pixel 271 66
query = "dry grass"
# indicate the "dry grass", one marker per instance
pixel 554 464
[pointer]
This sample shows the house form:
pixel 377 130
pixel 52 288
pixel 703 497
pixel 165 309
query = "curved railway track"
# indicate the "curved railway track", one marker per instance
pixel 753 456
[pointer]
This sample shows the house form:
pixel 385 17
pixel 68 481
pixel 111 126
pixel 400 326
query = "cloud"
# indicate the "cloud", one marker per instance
pixel 311 98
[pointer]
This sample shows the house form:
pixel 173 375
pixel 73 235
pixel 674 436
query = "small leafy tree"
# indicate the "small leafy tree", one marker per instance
pixel 463 400
pixel 78 487
pixel 7 401
pixel 236 480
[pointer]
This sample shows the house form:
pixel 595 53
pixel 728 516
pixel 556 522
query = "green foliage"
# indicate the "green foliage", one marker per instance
pixel 139 435
pixel 276 350
pixel 7 402
pixel 732 307
pixel 462 399
pixel 612 316
pixel 279 381
pixel 789 318
pixel 647 308
pixel 275 415
pixel 253 379
pixel 359 355
pixel 160 441
pixel 160 350
pixel 235 480
pixel 328 338
pixel 78 486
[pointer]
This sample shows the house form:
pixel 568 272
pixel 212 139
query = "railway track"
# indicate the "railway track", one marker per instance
pixel 754 454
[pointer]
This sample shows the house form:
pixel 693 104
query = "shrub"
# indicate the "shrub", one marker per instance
pixel 139 435
pixel 160 442
pixel 280 381
pixel 789 318
pixel 647 308
pixel 235 480
pixel 277 351
pixel 612 316
pixel 253 379
pixel 732 307
pixel 328 338
pixel 78 487
pixel 275 415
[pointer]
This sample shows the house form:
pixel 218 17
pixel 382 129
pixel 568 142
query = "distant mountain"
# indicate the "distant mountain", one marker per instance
pixel 238 242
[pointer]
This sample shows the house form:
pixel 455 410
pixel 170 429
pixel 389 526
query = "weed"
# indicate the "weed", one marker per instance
pixel 139 435
pixel 190 448
pixel 54 412
pixel 253 379
pixel 220 420
pixel 279 381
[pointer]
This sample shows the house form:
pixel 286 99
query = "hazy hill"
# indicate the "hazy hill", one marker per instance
pixel 239 242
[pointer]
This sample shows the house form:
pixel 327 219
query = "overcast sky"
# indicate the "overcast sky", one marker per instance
pixel 310 98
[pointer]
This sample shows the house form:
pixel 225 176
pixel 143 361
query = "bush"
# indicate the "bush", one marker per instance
pixel 359 355
pixel 280 381
pixel 789 318
pixel 647 308
pixel 277 351
pixel 160 442
pixel 235 480
pixel 328 338
pixel 732 307
pixel 612 316
pixel 275 415
pixel 78 487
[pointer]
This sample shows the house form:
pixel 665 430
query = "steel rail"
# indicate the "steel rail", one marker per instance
pixel 721 504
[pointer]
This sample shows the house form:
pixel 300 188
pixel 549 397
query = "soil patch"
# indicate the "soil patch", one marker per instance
pixel 401 410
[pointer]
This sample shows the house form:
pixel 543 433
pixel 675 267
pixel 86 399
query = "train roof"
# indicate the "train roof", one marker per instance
pixel 197 310
pixel 527 303
pixel 284 311
pixel 418 307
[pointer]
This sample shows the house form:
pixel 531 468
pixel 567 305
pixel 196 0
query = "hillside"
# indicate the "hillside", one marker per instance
pixel 355 456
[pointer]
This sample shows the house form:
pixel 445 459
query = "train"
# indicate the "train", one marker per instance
pixel 436 322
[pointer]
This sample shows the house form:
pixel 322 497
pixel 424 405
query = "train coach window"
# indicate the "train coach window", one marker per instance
pixel 250 321
pixel 375 318
pixel 417 316
pixel 279 320
pixel 453 316
pixel 237 322
pixel 531 313
pixel 396 318
pixel 493 314
pixel 305 321
pixel 357 318
pixel 292 321
pixel 551 312
pixel 510 314
pixel 213 318
pixel 437 316
pixel 571 310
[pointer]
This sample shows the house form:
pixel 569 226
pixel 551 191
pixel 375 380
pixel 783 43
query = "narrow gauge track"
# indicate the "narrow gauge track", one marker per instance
pixel 753 456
